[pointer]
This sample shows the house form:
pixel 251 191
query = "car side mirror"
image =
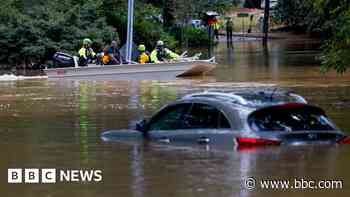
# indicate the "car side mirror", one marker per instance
pixel 141 126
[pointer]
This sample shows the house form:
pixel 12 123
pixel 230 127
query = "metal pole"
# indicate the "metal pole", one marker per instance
pixel 266 21
pixel 129 40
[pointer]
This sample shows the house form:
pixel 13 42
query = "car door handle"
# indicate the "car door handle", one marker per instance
pixel 203 140
pixel 164 140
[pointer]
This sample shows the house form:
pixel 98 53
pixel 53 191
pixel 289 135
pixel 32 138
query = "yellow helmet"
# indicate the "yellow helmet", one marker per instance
pixel 142 48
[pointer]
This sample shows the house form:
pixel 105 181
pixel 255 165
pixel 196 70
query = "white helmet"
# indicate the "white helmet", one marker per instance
pixel 160 43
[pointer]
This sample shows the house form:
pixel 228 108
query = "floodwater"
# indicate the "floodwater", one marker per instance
pixel 57 124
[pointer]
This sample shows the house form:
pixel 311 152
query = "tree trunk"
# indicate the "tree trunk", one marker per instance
pixel 169 13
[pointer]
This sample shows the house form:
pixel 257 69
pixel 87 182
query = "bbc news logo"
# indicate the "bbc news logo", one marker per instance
pixel 47 176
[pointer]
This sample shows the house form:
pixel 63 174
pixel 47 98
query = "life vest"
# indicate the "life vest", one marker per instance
pixel 106 59
pixel 144 58
pixel 87 53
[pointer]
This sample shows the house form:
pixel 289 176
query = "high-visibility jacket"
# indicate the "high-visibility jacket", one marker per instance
pixel 158 56
pixel 86 53
pixel 216 26
pixel 144 58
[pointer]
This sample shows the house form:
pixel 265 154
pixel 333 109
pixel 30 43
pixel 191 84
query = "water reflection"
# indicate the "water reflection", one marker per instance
pixel 57 124
pixel 209 173
pixel 137 186
pixel 289 163
pixel 84 123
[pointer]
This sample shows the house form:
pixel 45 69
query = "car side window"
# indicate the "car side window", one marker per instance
pixel 223 122
pixel 205 116
pixel 170 118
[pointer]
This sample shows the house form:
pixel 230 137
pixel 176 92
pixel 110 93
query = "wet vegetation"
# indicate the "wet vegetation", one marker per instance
pixel 328 19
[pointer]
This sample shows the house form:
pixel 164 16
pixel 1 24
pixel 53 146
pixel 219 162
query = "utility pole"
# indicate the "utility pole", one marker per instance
pixel 266 21
pixel 129 39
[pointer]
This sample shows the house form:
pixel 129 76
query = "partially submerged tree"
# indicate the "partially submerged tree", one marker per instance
pixel 327 18
pixel 336 51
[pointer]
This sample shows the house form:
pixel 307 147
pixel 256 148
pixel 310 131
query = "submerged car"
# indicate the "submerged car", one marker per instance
pixel 243 119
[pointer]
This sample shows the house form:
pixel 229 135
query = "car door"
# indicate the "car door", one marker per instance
pixel 168 123
pixel 191 124
pixel 206 124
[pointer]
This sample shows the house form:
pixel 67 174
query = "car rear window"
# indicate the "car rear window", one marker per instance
pixel 290 117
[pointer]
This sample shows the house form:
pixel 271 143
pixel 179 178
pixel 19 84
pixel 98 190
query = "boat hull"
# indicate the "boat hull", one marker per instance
pixel 136 71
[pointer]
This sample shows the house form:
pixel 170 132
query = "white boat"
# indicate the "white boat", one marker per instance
pixel 185 67
pixel 150 71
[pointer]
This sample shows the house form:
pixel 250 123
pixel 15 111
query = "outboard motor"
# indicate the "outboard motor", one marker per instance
pixel 62 60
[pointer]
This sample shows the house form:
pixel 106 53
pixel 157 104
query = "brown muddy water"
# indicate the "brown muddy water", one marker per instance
pixel 57 124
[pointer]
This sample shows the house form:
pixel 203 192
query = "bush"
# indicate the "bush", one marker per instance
pixel 148 33
pixel 336 51
pixel 32 31
pixel 32 37
pixel 331 19
pixel 196 37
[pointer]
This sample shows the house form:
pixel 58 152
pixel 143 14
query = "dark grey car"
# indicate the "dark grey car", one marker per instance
pixel 244 119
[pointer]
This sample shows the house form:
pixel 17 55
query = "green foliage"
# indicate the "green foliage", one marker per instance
pixel 31 31
pixel 310 15
pixel 32 36
pixel 196 37
pixel 169 40
pixel 331 19
pixel 148 33
pixel 293 13
pixel 169 12
pixel 336 53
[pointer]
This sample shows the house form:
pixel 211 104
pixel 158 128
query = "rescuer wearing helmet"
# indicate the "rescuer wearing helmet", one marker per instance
pixel 162 54
pixel 144 55
pixel 86 54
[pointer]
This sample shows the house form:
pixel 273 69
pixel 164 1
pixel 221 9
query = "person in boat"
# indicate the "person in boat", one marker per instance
pixel 144 56
pixel 114 53
pixel 107 57
pixel 163 54
pixel 99 58
pixel 86 53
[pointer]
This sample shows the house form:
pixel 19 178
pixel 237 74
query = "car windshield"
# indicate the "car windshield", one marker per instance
pixel 299 119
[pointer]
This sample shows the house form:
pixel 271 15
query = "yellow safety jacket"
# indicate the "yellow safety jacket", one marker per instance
pixel 144 58
pixel 86 53
pixel 167 55
pixel 216 26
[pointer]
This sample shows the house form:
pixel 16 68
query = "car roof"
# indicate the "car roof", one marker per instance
pixel 252 99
